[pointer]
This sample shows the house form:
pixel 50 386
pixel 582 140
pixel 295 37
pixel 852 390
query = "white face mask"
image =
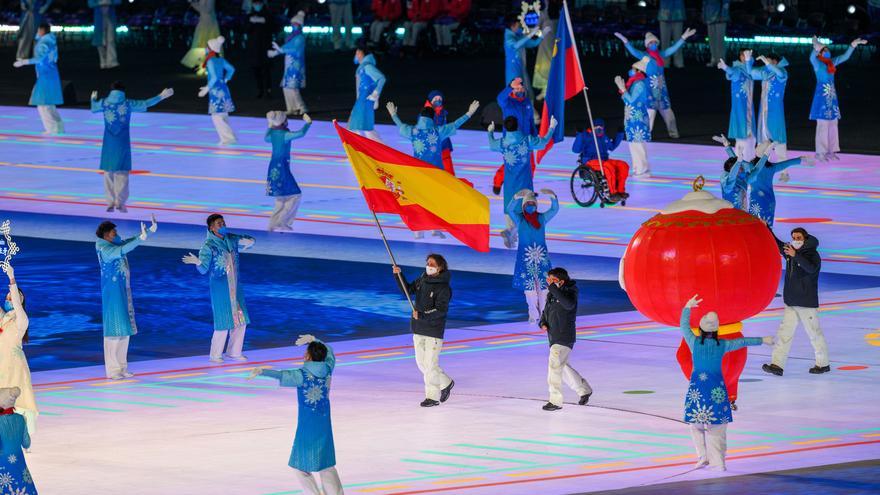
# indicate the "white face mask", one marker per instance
pixel 431 270
pixel 797 244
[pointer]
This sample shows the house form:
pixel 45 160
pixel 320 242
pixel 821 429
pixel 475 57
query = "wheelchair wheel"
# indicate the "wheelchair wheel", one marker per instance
pixel 583 186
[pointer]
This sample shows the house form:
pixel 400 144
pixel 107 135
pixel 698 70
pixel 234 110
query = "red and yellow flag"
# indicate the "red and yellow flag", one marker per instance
pixel 425 197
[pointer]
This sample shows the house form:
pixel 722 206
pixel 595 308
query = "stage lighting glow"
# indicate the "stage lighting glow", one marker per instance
pixel 780 7
pixel 851 9
pixel 642 3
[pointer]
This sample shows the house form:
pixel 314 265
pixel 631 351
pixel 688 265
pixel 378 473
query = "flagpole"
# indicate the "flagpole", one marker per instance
pixel 393 261
pixel 586 98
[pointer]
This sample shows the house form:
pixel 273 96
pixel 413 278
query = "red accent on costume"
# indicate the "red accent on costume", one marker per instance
pixel 632 80
pixel 829 64
pixel 655 54
pixel 6 412
pixel 532 218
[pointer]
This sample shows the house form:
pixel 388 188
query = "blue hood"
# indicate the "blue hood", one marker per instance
pixel 116 96
pixel 317 368
pixel 424 123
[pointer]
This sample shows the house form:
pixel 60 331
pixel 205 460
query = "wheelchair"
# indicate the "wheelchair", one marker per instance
pixel 589 186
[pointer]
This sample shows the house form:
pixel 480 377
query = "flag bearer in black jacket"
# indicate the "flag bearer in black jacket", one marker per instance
pixel 558 320
pixel 431 293
pixel 801 297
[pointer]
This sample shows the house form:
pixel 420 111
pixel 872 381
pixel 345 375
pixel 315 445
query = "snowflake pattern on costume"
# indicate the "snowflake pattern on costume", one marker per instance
pixel 703 377
pixel 536 264
pixel 219 99
pixel 701 414
pixel 719 395
pixel 418 146
pixel 6 480
pixel 694 395
pixel 12 459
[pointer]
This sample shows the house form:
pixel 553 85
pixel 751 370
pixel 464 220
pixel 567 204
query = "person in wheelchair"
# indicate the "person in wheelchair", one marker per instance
pixel 616 171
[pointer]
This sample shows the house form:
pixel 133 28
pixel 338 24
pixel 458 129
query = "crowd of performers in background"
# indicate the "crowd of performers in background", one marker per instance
pixel 550 293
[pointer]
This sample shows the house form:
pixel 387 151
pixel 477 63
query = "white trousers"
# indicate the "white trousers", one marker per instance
pixel 224 130
pixel 412 32
pixel 115 356
pixel 511 229
pixel 376 30
pixel 827 140
pixel 52 122
pixel 116 188
pixel 558 370
pixel 810 318
pixel 710 442
pixel 428 360
pixel 536 301
pixel 745 148
pixel 371 134
pixel 670 32
pixel 293 100
pixel 330 482
pixel 107 51
pixel 236 341
pixel 285 211
pixel 638 153
pixel 340 13
pixel 444 33
pixel 668 119
pixel 716 32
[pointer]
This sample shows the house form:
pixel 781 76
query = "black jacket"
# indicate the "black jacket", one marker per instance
pixel 802 274
pixel 560 313
pixel 261 31
pixel 431 296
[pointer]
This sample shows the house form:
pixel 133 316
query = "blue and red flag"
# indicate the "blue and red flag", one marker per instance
pixel 565 80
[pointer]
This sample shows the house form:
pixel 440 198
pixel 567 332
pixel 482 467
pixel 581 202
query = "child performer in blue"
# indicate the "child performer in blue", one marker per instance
pixel 313 450
pixel 735 177
pixel 435 103
pixel 532 256
pixel 771 118
pixel 294 78
pixel 634 93
pixel 280 183
pixel 707 406
pixel 825 110
pixel 762 199
pixel 47 90
pixel 220 103
pixel 658 98
pixel 742 107
pixel 369 81
pixel 516 149
pixel 14 437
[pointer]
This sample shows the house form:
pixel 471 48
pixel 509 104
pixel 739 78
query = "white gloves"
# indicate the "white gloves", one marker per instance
pixel 621 37
pixel 191 259
pixel 275 51
pixel 153 226
pixel 307 119
pixel 473 108
pixel 305 339
pixel 553 123
pixel 374 97
pixel 620 83
pixel 255 372
pixel 693 302
pixel 722 139
pixel 246 243
pixel 858 41
pixel 203 91
pixel 10 272
pixel 143 234
pixel 94 95
pixel 20 62
pixel 392 108
pixel 784 177
pixel 816 45
pixel 747 54
pixel 521 193
pixel 808 161
pixel 722 64
pixel 763 59
pixel 548 192
pixel 272 53
pixel 491 127
pixel 688 33
pixel 166 93
pixel 767 340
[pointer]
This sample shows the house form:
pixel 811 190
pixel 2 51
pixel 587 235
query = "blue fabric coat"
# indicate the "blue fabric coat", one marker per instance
pixel 707 401
pixel 294 50
pixel 100 19
pixel 742 105
pixel 635 112
pixel 313 448
pixel 658 97
pixel 117 110
pixel 515 148
pixel 671 11
pixel 368 78
pixel 771 119
pixel 219 260
pixel 585 146
pixel 715 11
pixel 825 105
pixel 762 200
pixel 219 73
pixel 427 138
pixel 532 256
pixel 279 179
pixel 519 108
pixel 735 183
pixel 13 469
pixel 515 44
pixel 47 90
pixel 116 303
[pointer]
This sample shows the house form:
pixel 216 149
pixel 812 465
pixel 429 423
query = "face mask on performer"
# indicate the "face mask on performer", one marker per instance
pixel 530 208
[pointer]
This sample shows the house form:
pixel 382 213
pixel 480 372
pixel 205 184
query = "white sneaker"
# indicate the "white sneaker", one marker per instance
pixel 116 377
pixel 419 235
pixel 111 208
pixel 701 464
pixel 216 360
pixel 127 374
pixel 237 358
pixel 122 209
pixel 508 241
pixel 833 156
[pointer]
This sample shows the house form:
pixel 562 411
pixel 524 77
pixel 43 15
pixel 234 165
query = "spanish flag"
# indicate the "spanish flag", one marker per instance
pixel 425 197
